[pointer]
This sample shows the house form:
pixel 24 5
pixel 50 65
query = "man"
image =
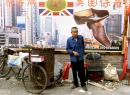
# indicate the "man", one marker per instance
pixel 75 47
pixel 92 18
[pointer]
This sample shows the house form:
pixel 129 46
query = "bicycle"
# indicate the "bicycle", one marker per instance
pixel 4 70
pixel 33 76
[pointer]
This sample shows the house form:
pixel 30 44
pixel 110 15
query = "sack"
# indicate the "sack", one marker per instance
pixel 110 73
pixel 58 70
pixel 14 61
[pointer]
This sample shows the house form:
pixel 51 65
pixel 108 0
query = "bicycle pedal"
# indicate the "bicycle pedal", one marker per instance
pixel 7 78
pixel 19 78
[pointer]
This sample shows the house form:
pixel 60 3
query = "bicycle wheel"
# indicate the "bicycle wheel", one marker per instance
pixel 34 78
pixel 4 69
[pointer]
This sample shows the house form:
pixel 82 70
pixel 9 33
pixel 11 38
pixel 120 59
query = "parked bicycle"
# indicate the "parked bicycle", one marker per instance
pixel 4 69
pixel 33 76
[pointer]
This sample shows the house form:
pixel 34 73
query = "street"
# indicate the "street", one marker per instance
pixel 14 87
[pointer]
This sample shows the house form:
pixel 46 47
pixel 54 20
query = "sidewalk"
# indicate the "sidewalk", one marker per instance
pixel 14 87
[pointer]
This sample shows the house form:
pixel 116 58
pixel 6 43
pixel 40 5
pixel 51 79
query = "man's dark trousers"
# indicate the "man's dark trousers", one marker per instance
pixel 78 67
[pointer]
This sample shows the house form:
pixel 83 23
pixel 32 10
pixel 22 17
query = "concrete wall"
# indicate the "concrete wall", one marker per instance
pixel 114 59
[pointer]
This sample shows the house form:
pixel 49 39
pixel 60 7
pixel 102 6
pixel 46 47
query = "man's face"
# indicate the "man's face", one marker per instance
pixel 74 34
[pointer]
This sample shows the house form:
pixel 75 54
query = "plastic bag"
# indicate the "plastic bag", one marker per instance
pixel 14 61
pixel 66 69
pixel 110 73
pixel 57 70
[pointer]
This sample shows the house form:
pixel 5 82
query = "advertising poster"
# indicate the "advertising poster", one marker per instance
pixel 101 22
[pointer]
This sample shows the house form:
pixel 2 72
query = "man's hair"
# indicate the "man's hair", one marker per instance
pixel 74 29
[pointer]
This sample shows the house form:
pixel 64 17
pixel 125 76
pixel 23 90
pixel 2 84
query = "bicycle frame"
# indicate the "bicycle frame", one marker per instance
pixel 27 73
pixel 4 66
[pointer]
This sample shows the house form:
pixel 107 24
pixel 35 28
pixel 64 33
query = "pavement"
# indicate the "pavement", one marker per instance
pixel 14 87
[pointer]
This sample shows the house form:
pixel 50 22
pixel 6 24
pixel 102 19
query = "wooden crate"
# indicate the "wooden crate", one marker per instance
pixel 48 65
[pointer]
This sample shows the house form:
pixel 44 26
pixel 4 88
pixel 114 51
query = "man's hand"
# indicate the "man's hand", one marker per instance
pixel 75 53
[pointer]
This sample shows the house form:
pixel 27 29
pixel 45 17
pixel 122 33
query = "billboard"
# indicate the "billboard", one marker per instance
pixel 101 22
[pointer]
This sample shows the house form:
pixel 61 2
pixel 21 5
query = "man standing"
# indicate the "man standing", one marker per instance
pixel 75 47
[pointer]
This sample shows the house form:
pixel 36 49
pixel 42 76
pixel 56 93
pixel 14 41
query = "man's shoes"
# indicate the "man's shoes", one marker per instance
pixel 90 16
pixel 85 88
pixel 73 87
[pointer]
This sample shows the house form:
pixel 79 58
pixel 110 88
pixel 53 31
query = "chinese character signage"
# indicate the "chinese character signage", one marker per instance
pixel 101 22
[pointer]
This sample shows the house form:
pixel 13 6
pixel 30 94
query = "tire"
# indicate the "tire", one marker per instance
pixel 4 69
pixel 34 78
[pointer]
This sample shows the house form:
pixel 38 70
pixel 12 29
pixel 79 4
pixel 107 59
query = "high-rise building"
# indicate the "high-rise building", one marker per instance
pixel 114 24
pixel 55 35
pixel 10 10
pixel 2 14
pixel 8 13
pixel 48 29
pixel 35 22
pixel 16 11
pixel 8 18
pixel 32 27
